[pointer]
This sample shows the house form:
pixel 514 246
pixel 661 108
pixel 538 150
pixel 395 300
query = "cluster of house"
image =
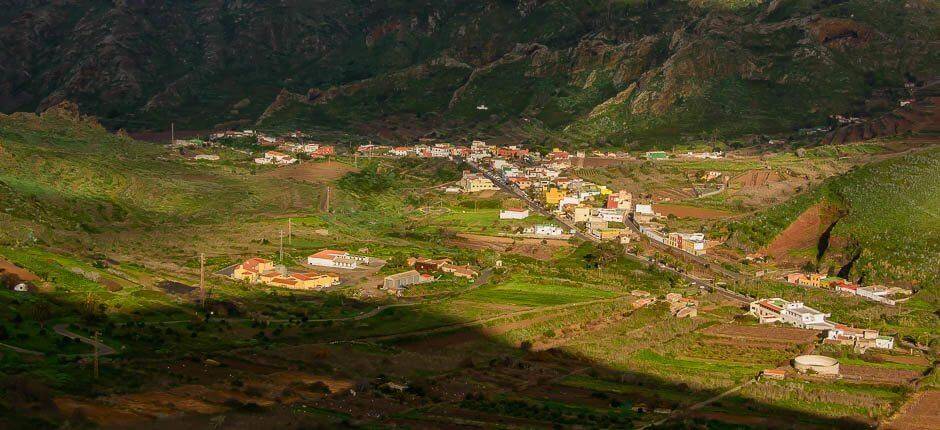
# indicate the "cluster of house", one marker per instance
pixel 262 271
pixel 663 155
pixel 603 211
pixel 285 148
pixel 801 316
pixel 426 148
pixel 877 293
pixel 276 158
pixel 645 218
pixel 286 153
pixel 679 307
pixel 423 270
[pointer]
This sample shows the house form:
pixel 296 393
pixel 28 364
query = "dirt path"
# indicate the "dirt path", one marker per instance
pixel 22 350
pixel 473 323
pixel 699 405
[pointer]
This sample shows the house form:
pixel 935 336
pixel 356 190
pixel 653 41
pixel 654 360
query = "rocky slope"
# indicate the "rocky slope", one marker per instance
pixel 583 72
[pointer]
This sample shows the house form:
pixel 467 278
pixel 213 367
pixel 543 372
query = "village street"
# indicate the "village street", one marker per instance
pixel 536 206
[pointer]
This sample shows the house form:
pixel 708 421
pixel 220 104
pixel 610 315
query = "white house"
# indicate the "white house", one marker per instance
pixel 611 215
pixel 798 315
pixel 545 230
pixel 21 288
pixel 569 200
pixel 336 259
pixel 884 342
pixel 514 214
pixel 275 157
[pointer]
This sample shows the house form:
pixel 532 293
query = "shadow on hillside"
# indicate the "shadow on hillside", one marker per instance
pixel 455 352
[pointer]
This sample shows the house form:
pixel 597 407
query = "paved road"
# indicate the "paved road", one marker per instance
pixel 62 330
pixel 536 206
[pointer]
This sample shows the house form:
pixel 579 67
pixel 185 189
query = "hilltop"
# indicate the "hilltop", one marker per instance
pixel 587 73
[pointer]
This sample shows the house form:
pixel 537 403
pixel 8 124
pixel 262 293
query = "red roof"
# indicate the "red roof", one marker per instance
pixel 284 281
pixel 252 263
pixel 328 254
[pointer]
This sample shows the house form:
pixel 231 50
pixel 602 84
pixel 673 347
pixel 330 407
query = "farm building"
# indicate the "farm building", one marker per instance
pixel 250 270
pixel 656 155
pixel 425 265
pixel 459 271
pixel 545 230
pixel 859 338
pixel 401 280
pixel 337 259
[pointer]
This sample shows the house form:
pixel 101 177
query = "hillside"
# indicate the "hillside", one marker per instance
pixel 544 71
pixel 880 222
pixel 65 179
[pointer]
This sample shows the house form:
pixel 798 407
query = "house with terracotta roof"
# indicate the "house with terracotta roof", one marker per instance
pixel 337 259
pixel 459 271
pixel 426 265
pixel 314 280
pixel 768 310
pixel 250 270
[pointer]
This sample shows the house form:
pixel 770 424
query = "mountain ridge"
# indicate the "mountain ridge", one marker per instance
pixel 557 70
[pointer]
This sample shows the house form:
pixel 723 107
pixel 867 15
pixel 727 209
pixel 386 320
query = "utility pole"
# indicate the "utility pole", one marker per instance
pixel 96 353
pixel 325 204
pixel 202 279
pixel 280 235
pixel 290 232
pixel 172 133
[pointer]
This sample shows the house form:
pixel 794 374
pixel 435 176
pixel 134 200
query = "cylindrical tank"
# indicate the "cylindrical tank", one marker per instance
pixel 817 363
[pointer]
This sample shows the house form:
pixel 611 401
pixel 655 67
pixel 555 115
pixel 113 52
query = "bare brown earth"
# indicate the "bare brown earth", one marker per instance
pixel 521 246
pixel 682 211
pixel 803 233
pixel 316 172
pixel 762 333
pixel 756 178
pixel 23 274
pixel 922 412
pixel 880 375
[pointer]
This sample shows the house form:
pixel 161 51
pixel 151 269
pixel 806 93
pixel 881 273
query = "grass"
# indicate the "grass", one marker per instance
pixel 532 293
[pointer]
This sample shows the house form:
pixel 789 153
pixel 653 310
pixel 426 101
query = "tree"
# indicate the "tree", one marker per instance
pixel 40 312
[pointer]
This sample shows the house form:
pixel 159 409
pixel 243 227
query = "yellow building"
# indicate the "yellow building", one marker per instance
pixel 472 183
pixel 313 280
pixel 553 196
pixel 252 269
